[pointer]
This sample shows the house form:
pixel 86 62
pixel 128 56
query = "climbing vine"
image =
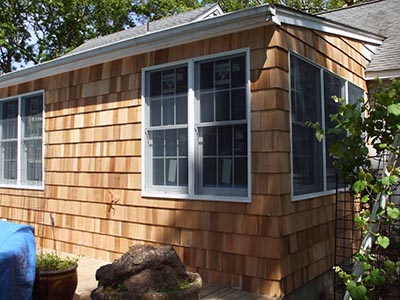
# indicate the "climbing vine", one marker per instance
pixel 367 156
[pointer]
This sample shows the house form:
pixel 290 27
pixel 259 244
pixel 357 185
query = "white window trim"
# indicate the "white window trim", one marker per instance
pixel 18 185
pixel 325 192
pixel 191 193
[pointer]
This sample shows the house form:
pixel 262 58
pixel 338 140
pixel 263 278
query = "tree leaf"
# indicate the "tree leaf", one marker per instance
pixel 383 241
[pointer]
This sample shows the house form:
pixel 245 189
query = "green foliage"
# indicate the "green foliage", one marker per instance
pixel 54 262
pixel 377 124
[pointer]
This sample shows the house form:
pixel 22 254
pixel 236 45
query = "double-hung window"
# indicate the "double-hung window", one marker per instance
pixel 21 141
pixel 196 129
pixel 311 92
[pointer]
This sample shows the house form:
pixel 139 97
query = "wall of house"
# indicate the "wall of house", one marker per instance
pixel 93 170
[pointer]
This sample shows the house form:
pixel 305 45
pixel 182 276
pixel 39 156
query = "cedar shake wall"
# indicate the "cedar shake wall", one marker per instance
pixel 93 158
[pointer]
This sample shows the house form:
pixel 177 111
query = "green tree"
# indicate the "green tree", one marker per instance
pixel 14 34
pixel 156 9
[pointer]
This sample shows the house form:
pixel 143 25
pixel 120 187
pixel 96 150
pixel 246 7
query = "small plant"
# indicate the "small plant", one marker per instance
pixel 54 262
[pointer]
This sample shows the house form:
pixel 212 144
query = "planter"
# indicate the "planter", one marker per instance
pixel 190 293
pixel 57 285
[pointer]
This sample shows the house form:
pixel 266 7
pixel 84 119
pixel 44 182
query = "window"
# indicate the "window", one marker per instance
pixel 312 89
pixel 196 123
pixel 21 139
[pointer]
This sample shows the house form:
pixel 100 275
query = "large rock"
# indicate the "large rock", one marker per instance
pixel 143 269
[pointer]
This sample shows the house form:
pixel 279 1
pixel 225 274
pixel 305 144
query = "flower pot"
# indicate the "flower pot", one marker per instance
pixel 57 285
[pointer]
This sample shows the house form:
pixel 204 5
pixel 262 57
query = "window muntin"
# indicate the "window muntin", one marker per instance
pixel 312 88
pixel 214 127
pixel 22 141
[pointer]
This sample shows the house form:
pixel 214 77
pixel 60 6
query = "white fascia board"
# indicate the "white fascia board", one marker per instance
pixel 385 74
pixel 292 17
pixel 187 33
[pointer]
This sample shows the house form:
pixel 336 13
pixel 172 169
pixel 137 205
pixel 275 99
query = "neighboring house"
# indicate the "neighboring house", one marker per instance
pixel 188 132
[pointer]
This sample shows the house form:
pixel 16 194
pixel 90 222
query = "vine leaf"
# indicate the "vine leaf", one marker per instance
pixel 394 109
pixel 383 241
pixel 357 291
pixel 393 213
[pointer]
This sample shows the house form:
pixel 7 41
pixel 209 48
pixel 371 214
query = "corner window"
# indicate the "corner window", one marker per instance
pixel 21 138
pixel 196 122
pixel 311 92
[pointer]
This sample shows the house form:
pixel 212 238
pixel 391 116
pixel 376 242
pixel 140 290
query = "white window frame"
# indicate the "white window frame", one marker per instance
pixel 193 179
pixel 323 70
pixel 18 184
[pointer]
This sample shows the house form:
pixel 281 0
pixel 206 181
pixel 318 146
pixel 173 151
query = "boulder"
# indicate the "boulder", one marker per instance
pixel 142 270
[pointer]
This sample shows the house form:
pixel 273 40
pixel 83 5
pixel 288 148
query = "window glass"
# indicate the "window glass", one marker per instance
pixel 333 86
pixel 306 105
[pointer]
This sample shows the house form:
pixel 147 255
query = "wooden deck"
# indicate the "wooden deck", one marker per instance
pixel 87 282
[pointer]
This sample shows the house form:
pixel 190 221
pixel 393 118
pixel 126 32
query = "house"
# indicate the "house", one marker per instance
pixel 189 131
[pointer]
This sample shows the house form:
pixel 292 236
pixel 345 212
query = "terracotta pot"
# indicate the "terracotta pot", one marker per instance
pixel 57 285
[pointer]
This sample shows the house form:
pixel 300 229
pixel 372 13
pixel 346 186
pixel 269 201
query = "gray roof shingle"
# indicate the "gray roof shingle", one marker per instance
pixel 379 17
pixel 179 19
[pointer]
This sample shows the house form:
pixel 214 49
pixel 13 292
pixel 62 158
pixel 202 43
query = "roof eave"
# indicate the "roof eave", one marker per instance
pixel 382 74
pixel 191 32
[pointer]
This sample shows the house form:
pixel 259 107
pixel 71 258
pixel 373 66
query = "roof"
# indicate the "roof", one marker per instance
pixel 379 17
pixel 177 30
pixel 207 11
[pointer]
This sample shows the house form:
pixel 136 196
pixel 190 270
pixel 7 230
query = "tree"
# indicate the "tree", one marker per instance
pixel 155 9
pixel 14 35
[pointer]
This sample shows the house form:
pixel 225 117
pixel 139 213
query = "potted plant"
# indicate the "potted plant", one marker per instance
pixel 56 276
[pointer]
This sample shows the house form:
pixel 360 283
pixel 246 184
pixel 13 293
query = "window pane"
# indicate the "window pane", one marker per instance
pixel 32 110
pixel 305 105
pixel 238 104
pixel 9 160
pixel 9 119
pixel 183 172
pixel 181 80
pixel 241 172
pixel 183 143
pixel 155 84
pixel 155 113
pixel 222 74
pixel 170 142
pixel 31 166
pixel 206 76
pixel 222 105
pixel 158 143
pixel 240 139
pixel 225 172
pixel 209 172
pixel 172 166
pixel 168 111
pixel 225 140
pixel 168 82
pixel 181 110
pixel 355 93
pixel 209 141
pixel 333 86
pixel 158 171
pixel 238 71
pixel 207 107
